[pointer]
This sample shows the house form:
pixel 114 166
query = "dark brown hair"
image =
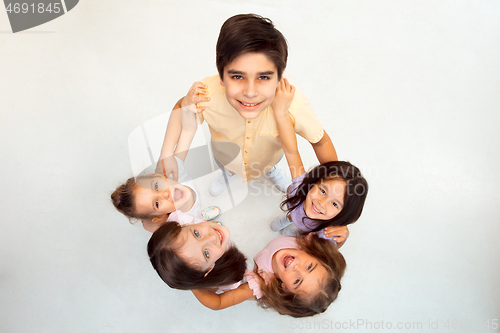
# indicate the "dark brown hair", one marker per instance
pixel 174 271
pixel 246 33
pixel 300 305
pixel 354 196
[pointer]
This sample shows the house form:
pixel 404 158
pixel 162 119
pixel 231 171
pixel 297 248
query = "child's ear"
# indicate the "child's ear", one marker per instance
pixel 221 82
pixel 209 270
pixel 160 219
pixel 283 286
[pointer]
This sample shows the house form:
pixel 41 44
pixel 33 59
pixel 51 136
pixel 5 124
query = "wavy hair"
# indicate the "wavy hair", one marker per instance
pixel 354 196
pixel 174 271
pixel 301 305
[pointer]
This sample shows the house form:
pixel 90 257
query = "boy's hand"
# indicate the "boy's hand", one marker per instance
pixel 283 97
pixel 196 94
pixel 339 234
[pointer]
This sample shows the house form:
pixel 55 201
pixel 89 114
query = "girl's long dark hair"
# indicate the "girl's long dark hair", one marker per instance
pixel 354 197
pixel 175 272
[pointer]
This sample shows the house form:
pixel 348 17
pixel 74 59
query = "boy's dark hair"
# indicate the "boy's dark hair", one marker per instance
pixel 175 272
pixel 354 197
pixel 247 33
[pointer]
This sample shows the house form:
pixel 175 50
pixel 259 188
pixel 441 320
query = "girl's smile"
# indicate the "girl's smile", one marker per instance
pixel 157 196
pixel 325 200
pixel 298 271
pixel 203 243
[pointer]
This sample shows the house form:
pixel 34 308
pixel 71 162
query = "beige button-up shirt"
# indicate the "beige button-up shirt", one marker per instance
pixel 251 147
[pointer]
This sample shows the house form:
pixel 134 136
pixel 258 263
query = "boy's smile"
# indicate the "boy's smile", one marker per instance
pixel 250 82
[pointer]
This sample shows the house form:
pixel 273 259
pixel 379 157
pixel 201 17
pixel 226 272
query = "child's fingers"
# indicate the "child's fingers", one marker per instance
pixel 199 85
pixel 286 84
pixel 200 89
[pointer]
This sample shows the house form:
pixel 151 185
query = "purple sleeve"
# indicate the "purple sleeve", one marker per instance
pixel 321 234
pixel 295 183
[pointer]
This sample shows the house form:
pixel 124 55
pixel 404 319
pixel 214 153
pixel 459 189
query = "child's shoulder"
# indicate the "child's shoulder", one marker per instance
pixel 213 84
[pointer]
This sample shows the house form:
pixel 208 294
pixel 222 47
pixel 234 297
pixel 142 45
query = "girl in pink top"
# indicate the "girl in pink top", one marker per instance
pixel 324 200
pixel 296 276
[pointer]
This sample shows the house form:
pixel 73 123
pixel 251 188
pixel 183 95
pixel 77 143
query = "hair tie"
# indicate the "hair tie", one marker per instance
pixel 120 198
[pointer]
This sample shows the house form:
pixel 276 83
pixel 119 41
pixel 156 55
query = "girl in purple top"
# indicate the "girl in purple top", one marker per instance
pixel 296 276
pixel 324 200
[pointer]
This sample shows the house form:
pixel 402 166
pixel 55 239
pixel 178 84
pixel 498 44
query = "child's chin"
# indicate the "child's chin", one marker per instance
pixel 249 115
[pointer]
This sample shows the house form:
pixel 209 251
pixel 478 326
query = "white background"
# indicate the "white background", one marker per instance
pixel 407 90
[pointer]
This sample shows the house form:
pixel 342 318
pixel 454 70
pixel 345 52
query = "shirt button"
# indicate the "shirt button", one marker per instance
pixel 249 121
pixel 248 138
pixel 246 151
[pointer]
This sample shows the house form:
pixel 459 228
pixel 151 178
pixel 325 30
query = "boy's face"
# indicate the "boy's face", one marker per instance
pixel 250 81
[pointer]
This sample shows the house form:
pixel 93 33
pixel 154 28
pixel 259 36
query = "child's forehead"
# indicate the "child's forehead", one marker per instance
pixel 251 59
pixel 148 181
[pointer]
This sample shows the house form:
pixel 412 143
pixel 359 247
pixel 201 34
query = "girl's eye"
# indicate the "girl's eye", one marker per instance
pixel 309 267
pixel 237 77
pixel 157 204
pixel 207 255
pixel 322 191
pixel 263 77
pixel 335 205
pixel 156 186
pixel 296 281
pixel 196 233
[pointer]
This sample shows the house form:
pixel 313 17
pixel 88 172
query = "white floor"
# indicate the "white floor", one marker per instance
pixel 408 91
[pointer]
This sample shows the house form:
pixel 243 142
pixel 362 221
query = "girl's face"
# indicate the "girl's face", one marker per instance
pixel 325 200
pixel 298 271
pixel 157 195
pixel 203 244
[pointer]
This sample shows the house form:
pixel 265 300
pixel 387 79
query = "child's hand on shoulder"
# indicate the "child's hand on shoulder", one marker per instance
pixel 195 95
pixel 339 234
pixel 283 97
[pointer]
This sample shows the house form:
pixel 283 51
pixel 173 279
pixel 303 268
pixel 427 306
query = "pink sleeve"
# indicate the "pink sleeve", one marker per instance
pixel 254 283
pixel 229 287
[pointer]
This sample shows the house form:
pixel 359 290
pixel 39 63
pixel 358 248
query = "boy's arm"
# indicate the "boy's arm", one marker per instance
pixel 280 105
pixel 324 149
pixel 221 301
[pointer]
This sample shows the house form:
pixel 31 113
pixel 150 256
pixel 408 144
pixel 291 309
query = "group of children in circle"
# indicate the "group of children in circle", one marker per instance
pixel 299 272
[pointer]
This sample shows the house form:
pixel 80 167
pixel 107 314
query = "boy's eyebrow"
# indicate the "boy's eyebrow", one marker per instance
pixel 233 71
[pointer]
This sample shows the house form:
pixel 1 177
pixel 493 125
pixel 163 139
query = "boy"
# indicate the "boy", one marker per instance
pixel 251 56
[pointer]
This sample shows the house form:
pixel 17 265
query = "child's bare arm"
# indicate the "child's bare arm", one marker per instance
pixel 190 109
pixel 280 105
pixel 166 163
pixel 324 149
pixel 221 301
